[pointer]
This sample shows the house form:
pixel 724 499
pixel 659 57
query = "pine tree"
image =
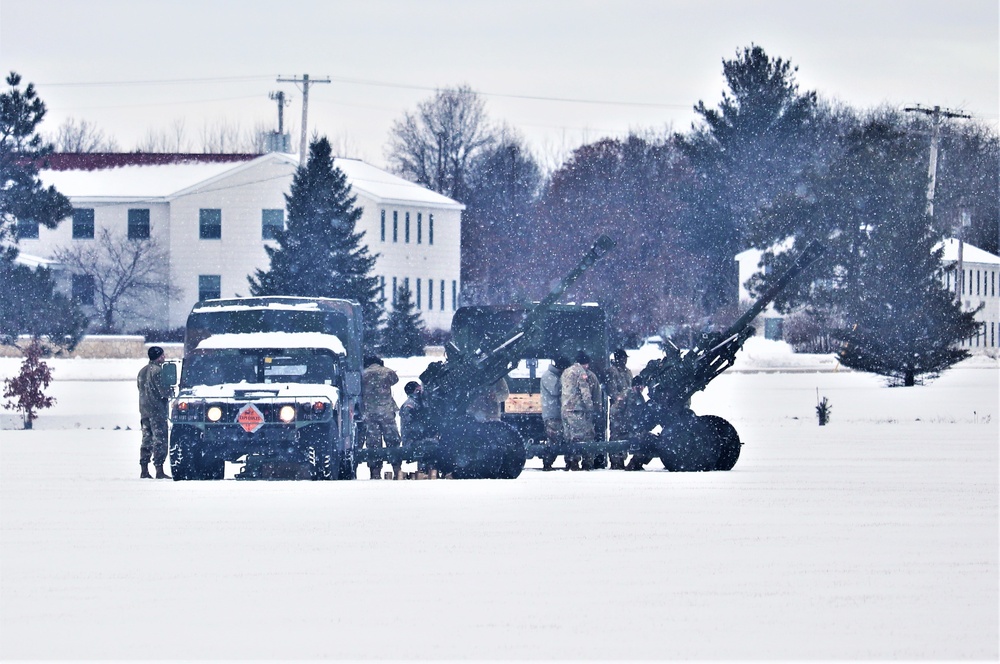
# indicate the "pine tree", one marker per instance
pixel 404 328
pixel 320 253
pixel 880 276
pixel 29 303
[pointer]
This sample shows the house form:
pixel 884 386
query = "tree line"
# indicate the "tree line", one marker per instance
pixel 770 166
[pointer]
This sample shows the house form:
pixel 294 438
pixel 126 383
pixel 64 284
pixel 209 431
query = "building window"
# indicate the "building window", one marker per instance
pixel 420 229
pixel 138 224
pixel 406 284
pixel 420 292
pixel 83 289
pixel 441 299
pixel 210 224
pixel 977 282
pixel 430 290
pixel 382 287
pixel 395 289
pixel 406 230
pixel 209 287
pixel 454 295
pixel 430 229
pixel 395 228
pixel 272 222
pixel 383 225
pixel 993 283
pixel 27 229
pixel 83 223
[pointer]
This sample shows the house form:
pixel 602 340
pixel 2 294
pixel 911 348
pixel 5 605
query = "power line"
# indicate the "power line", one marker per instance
pixel 159 81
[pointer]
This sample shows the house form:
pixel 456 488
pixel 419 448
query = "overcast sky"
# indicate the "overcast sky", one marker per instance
pixel 560 72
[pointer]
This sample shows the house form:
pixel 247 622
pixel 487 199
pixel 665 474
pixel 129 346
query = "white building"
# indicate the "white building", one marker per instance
pixel 213 215
pixel 979 287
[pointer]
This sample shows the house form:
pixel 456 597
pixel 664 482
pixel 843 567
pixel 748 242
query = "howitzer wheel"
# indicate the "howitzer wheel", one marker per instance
pixel 727 440
pixel 690 444
pixel 482 450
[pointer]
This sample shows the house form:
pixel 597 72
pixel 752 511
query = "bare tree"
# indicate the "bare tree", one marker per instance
pixel 82 136
pixel 124 274
pixel 225 136
pixel 435 145
pixel 173 139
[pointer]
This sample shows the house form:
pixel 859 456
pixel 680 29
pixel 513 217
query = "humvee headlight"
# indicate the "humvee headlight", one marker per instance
pixel 214 414
pixel 287 414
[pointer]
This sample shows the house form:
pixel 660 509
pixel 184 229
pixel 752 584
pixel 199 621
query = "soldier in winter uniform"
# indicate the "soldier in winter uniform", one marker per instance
pixel 551 393
pixel 380 411
pixel 619 384
pixel 581 399
pixel 486 406
pixel 153 398
pixel 635 404
pixel 410 424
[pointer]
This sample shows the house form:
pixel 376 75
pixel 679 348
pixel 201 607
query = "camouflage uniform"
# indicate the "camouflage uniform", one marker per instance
pixel 619 384
pixel 581 398
pixel 380 413
pixel 551 394
pixel 153 398
pixel 486 406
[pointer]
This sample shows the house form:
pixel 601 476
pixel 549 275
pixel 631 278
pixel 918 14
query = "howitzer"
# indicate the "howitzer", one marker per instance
pixel 457 443
pixel 687 441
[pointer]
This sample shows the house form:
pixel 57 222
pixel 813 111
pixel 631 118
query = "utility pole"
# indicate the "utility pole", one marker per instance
pixel 280 98
pixel 306 82
pixel 936 114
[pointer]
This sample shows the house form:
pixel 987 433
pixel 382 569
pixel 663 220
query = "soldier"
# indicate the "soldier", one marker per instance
pixel 551 393
pixel 153 398
pixel 619 384
pixel 410 423
pixel 634 417
pixel 581 394
pixel 380 411
pixel 486 406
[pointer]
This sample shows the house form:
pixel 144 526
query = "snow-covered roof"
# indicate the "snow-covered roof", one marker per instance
pixel 134 181
pixel 970 253
pixel 275 340
pixel 143 181
pixel 388 188
pixel 284 391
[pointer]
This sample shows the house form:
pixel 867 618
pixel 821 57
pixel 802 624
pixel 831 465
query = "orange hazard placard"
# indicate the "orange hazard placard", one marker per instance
pixel 250 418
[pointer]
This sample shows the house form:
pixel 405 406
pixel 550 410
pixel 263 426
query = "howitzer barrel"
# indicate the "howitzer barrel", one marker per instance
pixel 461 376
pixel 808 256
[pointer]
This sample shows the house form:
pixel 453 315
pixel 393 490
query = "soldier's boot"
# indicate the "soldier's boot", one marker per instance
pixel 375 471
pixel 572 464
pixel 588 464
pixel 144 475
pixel 635 463
pixel 397 471
pixel 617 462
pixel 160 475
pixel 547 464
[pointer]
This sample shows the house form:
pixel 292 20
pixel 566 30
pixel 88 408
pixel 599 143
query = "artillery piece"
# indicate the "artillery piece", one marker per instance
pixel 454 441
pixel 689 442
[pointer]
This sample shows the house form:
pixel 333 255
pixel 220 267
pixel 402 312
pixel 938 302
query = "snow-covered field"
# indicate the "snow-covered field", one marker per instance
pixel 873 537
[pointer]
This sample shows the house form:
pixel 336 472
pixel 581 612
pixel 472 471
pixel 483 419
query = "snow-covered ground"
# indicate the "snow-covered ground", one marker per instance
pixel 873 537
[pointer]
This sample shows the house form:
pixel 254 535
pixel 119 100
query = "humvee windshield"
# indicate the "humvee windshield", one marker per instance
pixel 258 366
pixel 205 323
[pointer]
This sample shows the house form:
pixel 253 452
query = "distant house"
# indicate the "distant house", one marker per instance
pixel 979 287
pixel 982 272
pixel 214 214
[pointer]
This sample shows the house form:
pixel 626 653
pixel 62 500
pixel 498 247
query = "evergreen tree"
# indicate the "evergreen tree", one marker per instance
pixel 28 301
pixel 746 152
pixel 320 253
pixel 404 328
pixel 882 276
